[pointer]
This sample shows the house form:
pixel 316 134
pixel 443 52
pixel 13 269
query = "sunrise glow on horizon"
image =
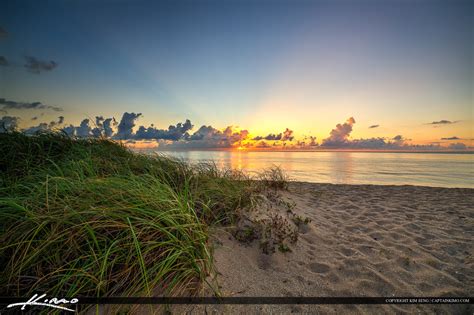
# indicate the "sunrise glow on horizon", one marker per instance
pixel 248 75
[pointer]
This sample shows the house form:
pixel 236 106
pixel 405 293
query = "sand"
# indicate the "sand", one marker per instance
pixel 363 240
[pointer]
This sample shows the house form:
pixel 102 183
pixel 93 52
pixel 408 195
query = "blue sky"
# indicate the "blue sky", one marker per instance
pixel 261 65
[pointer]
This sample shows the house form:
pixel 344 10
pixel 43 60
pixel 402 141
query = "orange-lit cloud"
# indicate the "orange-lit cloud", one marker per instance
pixel 182 137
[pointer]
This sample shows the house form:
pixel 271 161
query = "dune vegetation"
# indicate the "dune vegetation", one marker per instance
pixel 88 217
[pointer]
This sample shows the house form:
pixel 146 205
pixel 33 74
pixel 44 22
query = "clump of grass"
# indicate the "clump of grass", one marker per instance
pixel 274 177
pixel 102 236
pixel 89 217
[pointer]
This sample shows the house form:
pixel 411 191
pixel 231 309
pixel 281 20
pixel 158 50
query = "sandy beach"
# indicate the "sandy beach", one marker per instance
pixel 362 240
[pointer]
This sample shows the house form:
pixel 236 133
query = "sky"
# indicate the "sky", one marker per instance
pixel 335 74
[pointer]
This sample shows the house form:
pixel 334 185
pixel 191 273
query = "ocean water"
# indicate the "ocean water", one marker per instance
pixel 377 168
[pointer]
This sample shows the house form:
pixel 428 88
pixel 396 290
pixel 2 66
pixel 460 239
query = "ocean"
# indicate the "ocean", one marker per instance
pixel 377 168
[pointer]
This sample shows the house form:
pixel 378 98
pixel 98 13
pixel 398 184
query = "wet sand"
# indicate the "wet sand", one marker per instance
pixel 363 240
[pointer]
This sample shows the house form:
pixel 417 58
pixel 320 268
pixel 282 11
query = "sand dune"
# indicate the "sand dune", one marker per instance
pixel 362 241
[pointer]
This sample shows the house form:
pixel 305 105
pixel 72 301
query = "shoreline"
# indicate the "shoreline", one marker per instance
pixel 156 149
pixel 371 185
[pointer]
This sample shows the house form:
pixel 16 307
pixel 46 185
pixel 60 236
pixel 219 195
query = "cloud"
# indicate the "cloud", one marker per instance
pixel 270 137
pixel 207 137
pixel 36 66
pixel 262 144
pixel 339 138
pixel 339 135
pixel 125 127
pixel 451 138
pixel 374 126
pixel 8 123
pixel 312 141
pixel 287 135
pixel 457 146
pixel 41 127
pixel 443 122
pixel 84 129
pixel 104 127
pixel 3 61
pixel 174 133
pixel 370 143
pixel 3 33
pixel 35 129
pixel 108 125
pixel 6 105
pixel 56 123
pixel 70 130
pixel 308 141
pixel 210 137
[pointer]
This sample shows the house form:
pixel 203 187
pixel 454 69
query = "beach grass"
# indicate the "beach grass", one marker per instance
pixel 89 217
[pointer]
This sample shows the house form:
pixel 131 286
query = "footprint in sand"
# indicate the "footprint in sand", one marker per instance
pixel 319 268
pixel 347 252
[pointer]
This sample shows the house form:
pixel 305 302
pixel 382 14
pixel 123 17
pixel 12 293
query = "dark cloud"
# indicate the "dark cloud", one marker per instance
pixel 6 105
pixel 451 138
pixel 270 137
pixel 125 127
pixel 287 135
pixel 36 66
pixel 339 135
pixel 174 133
pixel 104 127
pixel 8 123
pixel 56 123
pixel 374 126
pixel 204 132
pixel 3 61
pixel 443 122
pixel 398 138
